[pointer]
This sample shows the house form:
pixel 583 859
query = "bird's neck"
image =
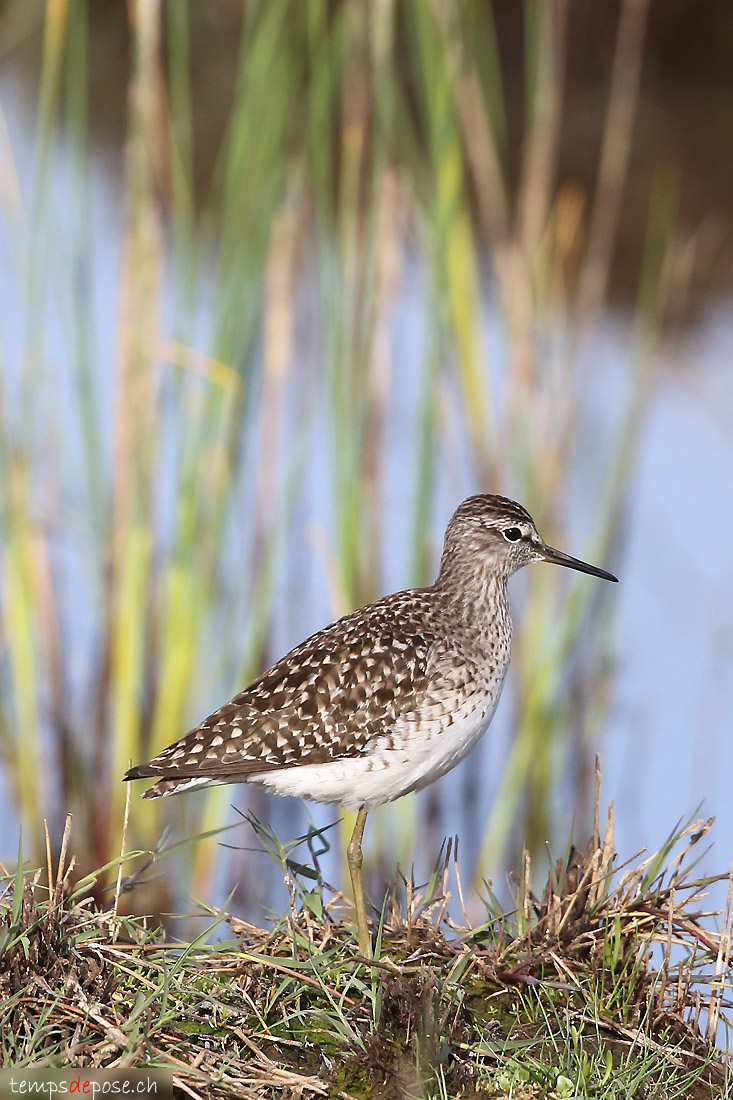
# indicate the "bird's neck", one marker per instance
pixel 474 592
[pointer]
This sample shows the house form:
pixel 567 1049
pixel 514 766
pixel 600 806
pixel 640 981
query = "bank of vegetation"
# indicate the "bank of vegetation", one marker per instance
pixel 613 982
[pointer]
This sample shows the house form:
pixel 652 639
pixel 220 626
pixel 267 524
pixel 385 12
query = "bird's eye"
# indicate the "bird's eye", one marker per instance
pixel 512 534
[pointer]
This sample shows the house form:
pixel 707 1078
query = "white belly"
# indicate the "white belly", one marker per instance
pixel 419 756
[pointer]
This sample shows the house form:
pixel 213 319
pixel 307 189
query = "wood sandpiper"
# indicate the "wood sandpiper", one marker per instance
pixel 383 701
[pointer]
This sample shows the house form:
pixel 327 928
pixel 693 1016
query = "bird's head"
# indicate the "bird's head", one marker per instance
pixel 501 536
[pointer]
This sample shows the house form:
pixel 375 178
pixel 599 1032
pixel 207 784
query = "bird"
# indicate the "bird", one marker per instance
pixel 384 700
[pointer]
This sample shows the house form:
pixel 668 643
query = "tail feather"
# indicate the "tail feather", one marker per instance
pixel 176 786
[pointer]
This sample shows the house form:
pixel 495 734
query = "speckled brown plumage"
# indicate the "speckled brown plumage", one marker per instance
pixel 383 700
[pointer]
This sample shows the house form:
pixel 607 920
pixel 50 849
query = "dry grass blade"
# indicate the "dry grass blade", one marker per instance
pixel 289 1008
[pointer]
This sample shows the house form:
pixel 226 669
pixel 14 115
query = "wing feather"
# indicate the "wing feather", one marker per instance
pixel 329 698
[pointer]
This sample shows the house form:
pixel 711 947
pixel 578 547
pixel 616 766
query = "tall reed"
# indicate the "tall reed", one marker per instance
pixel 147 505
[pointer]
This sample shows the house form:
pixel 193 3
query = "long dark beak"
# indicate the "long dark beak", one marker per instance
pixel 549 553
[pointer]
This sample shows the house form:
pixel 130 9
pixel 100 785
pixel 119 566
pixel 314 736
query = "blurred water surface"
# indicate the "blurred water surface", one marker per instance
pixel 666 742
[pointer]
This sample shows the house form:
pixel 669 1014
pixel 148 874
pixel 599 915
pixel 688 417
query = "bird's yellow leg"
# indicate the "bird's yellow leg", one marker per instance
pixel 354 859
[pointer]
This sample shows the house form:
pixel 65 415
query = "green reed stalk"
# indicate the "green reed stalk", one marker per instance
pixel 358 138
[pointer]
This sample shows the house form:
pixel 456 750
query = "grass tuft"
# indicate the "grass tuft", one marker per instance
pixel 611 983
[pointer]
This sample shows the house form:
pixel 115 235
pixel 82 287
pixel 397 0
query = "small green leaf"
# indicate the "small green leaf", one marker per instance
pixel 312 900
pixel 609 1068
pixel 301 869
pixel 564 1087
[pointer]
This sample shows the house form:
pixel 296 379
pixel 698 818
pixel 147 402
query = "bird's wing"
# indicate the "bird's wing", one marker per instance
pixel 329 698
